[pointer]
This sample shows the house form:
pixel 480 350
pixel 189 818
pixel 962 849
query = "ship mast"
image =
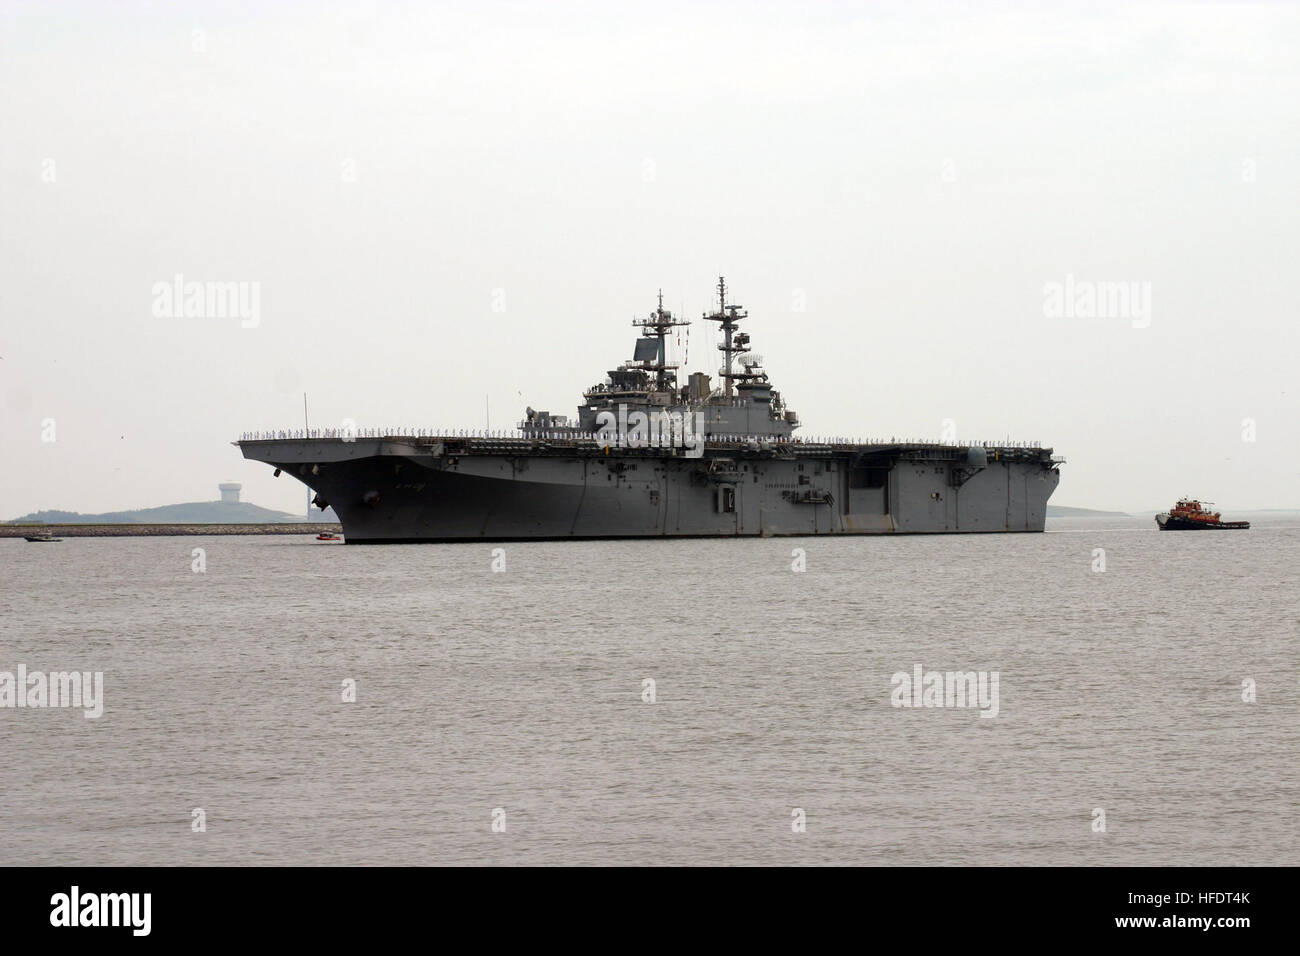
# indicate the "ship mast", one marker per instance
pixel 657 326
pixel 727 316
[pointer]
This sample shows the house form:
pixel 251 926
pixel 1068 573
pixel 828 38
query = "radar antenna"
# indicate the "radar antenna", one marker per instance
pixel 733 342
pixel 656 327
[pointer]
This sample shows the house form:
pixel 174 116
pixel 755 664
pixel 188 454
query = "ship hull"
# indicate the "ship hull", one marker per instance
pixel 1175 523
pixel 406 490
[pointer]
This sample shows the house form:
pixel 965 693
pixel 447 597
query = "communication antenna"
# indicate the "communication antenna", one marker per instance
pixel 651 349
pixel 727 316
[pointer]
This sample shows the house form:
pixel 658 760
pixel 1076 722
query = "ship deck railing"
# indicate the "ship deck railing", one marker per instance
pixel 516 438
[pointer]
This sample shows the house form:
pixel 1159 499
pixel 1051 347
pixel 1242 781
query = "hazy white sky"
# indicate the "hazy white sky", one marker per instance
pixel 914 175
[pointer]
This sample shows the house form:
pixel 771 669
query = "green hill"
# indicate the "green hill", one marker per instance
pixel 1061 511
pixel 195 512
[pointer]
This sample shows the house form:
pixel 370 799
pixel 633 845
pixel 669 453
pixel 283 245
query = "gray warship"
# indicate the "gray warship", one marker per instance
pixel 647 457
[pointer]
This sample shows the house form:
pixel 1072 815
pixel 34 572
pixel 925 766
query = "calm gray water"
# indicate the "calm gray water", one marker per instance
pixel 522 690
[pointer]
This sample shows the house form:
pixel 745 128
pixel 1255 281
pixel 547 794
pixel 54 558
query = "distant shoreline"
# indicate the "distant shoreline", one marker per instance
pixel 164 530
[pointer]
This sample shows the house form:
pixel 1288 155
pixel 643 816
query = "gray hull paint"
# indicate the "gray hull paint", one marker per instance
pixel 398 489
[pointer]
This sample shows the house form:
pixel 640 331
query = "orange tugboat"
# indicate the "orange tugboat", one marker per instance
pixel 1190 515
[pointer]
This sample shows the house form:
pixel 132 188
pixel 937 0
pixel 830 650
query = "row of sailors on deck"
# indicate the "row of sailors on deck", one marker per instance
pixel 347 434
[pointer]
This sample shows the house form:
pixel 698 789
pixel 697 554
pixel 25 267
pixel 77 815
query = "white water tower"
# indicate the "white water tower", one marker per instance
pixel 230 492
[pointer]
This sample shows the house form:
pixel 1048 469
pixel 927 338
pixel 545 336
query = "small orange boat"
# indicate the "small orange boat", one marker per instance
pixel 328 536
pixel 1190 515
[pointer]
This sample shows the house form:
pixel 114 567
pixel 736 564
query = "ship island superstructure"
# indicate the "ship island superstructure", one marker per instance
pixel 649 457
